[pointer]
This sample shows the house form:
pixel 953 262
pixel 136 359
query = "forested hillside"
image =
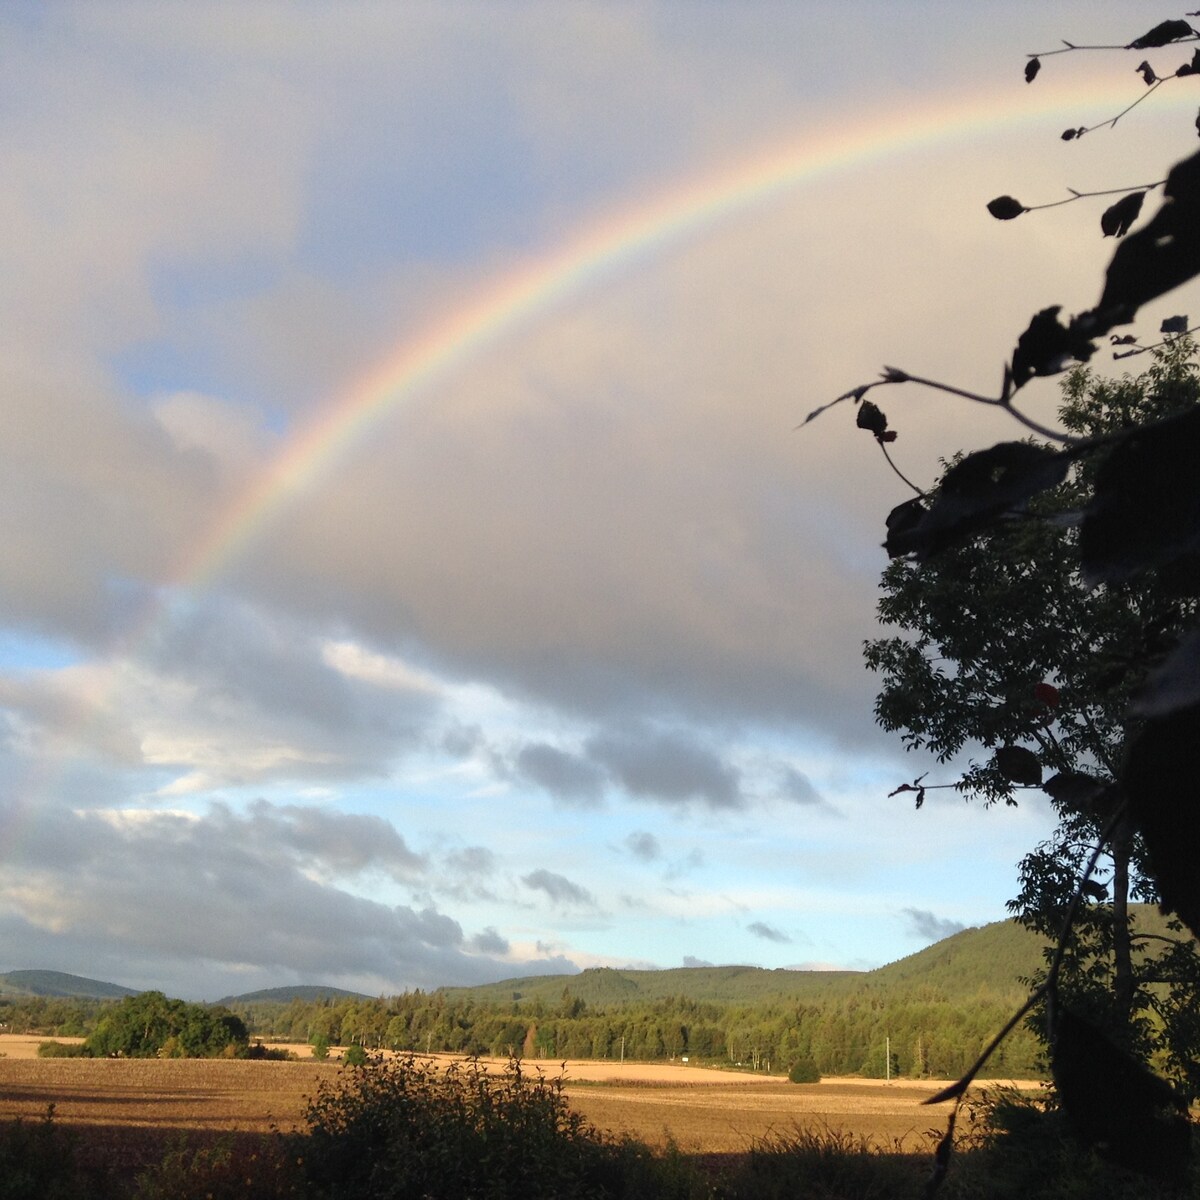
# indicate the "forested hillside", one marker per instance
pixel 936 1008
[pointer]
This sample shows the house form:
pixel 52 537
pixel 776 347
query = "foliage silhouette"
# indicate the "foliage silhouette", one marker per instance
pixel 1141 514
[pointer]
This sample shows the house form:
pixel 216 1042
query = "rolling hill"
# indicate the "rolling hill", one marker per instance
pixel 989 960
pixel 58 983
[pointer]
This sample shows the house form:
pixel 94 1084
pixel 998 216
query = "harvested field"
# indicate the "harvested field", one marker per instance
pixel 702 1110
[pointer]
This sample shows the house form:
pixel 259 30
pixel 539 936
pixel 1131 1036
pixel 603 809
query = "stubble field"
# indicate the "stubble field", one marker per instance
pixel 701 1110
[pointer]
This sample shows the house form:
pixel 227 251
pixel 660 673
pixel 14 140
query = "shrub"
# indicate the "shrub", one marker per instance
pixel 405 1127
pixel 62 1050
pixel 804 1070
pixel 355 1056
pixel 37 1160
pixel 261 1168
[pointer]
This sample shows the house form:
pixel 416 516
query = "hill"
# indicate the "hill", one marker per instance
pixel 307 992
pixel 992 958
pixel 989 960
pixel 58 983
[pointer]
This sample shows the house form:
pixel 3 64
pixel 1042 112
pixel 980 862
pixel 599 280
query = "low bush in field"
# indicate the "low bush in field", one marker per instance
pixel 62 1050
pixel 406 1127
pixel 804 1070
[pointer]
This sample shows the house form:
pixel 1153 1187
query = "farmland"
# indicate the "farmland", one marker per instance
pixel 702 1110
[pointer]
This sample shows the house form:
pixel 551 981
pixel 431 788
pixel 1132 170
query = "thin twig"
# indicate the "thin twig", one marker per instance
pixel 900 474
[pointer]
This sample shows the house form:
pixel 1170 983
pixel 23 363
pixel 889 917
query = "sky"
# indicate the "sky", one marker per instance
pixel 413 573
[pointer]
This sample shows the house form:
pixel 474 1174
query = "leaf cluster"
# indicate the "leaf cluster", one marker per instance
pixel 1047 600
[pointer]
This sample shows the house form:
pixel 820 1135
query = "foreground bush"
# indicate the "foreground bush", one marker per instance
pixel 406 1127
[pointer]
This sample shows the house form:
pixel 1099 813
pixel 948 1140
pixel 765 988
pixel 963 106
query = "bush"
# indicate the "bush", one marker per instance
pixel 355 1056
pixel 405 1127
pixel 261 1168
pixel 804 1070
pixel 62 1050
pixel 37 1161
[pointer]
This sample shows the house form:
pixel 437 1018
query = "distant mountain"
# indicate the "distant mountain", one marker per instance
pixel 58 983
pixel 990 960
pixel 302 991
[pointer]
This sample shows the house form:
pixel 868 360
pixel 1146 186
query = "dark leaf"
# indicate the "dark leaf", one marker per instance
pixel 1032 67
pixel 1115 1105
pixel 915 786
pixel 888 435
pixel 1177 324
pixel 1191 68
pixel 1145 509
pixel 983 485
pixel 1047 346
pixel 870 417
pixel 941 1158
pixel 1164 253
pixel 1004 208
pixel 1129 339
pixel 1047 693
pixel 900 522
pixel 1073 789
pixel 1162 35
pixel 1116 220
pixel 1095 890
pixel 1019 765
pixel 1147 72
pixel 1069 135
pixel 1160 783
pixel 1175 684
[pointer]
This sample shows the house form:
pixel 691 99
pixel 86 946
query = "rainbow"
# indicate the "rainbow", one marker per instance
pixel 599 252
pixel 610 246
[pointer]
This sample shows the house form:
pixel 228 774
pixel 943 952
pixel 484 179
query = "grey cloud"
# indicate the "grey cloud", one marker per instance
pixel 566 777
pixel 670 768
pixel 644 846
pixel 929 927
pixel 344 842
pixel 205 905
pixel 768 933
pixel 472 860
pixel 558 887
pixel 488 941
pixel 690 961
pixel 797 787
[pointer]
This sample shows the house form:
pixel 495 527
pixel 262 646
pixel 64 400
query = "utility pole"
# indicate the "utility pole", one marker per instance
pixel 887 1058
pixel 622 1047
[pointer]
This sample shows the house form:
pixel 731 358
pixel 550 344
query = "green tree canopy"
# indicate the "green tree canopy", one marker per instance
pixel 1001 646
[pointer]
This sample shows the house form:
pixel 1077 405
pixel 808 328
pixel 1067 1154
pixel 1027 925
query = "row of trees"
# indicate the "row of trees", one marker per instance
pixel 930 1036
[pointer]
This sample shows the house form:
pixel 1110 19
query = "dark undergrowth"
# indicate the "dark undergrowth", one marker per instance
pixel 404 1129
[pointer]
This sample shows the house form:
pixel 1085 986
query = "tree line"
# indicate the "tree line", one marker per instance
pixel 930 1035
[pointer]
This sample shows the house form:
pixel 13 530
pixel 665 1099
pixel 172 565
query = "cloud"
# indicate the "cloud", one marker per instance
pixel 488 941
pixel 475 861
pixel 689 961
pixel 797 787
pixel 344 843
pixel 768 932
pixel 566 777
pixel 560 889
pixel 928 927
pixel 643 846
pixel 669 768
